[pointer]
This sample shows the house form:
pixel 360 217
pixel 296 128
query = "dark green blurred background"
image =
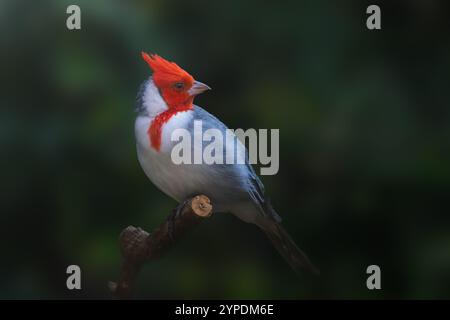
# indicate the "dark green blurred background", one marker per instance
pixel 364 144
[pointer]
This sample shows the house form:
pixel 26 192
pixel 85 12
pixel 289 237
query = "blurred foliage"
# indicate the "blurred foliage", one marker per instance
pixel 364 127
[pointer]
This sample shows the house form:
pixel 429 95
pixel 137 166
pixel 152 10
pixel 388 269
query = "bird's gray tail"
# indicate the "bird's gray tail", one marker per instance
pixel 283 242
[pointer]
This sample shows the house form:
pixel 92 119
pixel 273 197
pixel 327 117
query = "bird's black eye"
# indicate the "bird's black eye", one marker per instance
pixel 178 85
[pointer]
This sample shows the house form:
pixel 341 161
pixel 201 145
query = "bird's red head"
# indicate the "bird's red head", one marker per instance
pixel 177 87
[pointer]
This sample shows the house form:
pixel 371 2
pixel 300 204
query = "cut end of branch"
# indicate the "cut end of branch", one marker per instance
pixel 201 206
pixel 132 243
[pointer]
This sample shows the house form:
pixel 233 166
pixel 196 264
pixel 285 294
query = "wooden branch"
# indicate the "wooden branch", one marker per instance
pixel 138 246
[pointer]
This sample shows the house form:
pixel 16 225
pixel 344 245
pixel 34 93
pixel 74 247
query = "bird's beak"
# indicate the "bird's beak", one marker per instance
pixel 198 88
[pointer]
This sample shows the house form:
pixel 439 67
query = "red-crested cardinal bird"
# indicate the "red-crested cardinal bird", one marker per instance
pixel 165 103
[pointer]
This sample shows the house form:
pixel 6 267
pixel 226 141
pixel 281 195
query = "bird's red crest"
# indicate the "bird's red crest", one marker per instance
pixel 166 75
pixel 166 72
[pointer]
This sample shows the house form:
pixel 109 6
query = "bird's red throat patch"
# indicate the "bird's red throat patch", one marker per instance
pixel 155 129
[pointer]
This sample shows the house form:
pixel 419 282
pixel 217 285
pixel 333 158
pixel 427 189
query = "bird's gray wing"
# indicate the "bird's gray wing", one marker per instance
pixel 250 180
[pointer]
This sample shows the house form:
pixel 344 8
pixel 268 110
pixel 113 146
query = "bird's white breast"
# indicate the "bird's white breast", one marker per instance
pixel 158 165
